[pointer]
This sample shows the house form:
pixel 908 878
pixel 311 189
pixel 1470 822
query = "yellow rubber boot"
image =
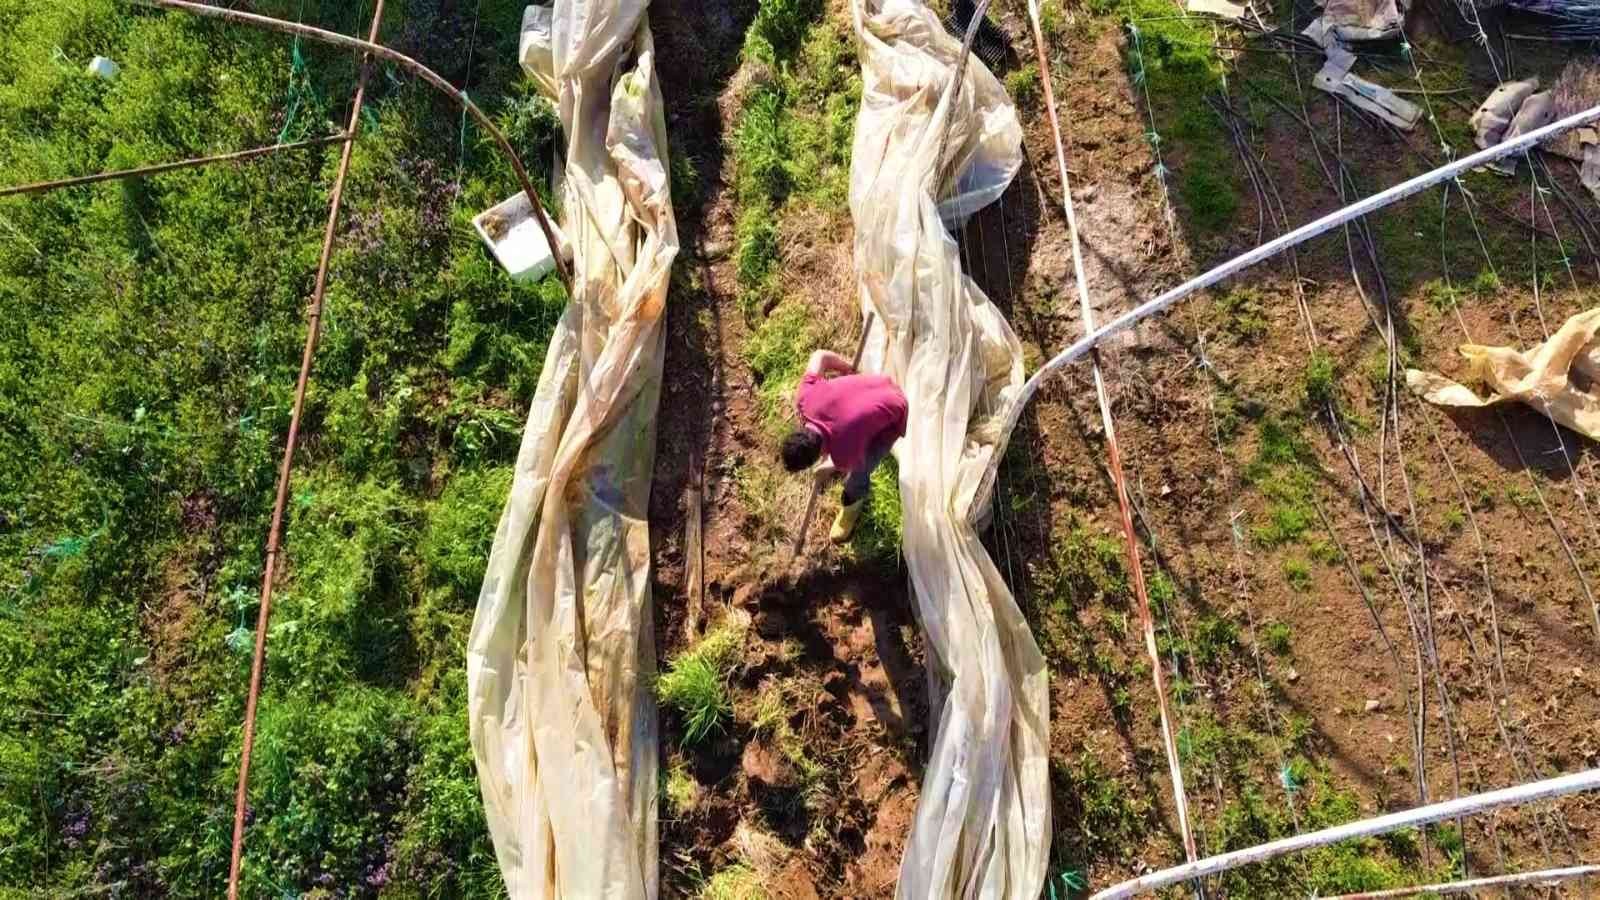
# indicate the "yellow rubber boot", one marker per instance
pixel 844 524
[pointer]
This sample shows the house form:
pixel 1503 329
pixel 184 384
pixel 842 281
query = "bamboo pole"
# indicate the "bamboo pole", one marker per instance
pixel 1114 456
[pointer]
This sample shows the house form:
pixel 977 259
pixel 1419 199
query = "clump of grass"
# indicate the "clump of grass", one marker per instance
pixel 736 882
pixel 1289 510
pixel 756 256
pixel 1321 384
pixel 686 184
pixel 1175 60
pixel 679 788
pixel 1052 22
pixel 696 682
pixel 1485 283
pixel 1324 551
pixel 779 27
pixel 1520 497
pixel 1244 314
pixel 1214 638
pixel 1298 573
pixel 1455 518
pixel 1023 86
pixel 1441 296
pixel 1277 636
pixel 775 705
pixel 777 352
pixel 761 149
pixel 1098 816
pixel 879 533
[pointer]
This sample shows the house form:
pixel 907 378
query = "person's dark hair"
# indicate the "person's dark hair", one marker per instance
pixel 800 449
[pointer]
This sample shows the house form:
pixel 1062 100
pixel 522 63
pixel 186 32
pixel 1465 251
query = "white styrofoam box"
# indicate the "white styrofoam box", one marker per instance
pixel 104 68
pixel 513 234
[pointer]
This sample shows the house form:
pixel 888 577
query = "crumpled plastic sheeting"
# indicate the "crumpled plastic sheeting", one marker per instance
pixel 1336 78
pixel 1494 115
pixel 1542 378
pixel 925 158
pixel 1364 20
pixel 561 654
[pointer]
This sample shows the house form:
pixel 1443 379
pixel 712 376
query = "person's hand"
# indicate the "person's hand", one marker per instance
pixel 824 473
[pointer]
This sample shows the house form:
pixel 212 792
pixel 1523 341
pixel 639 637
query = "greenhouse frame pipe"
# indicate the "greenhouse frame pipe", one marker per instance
pixel 1434 812
pixel 1541 878
pixel 433 78
pixel 1335 219
pixel 158 168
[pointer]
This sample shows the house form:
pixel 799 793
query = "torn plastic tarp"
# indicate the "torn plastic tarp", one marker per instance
pixel 1364 20
pixel 561 655
pixel 1493 117
pixel 1336 78
pixel 926 156
pixel 1556 378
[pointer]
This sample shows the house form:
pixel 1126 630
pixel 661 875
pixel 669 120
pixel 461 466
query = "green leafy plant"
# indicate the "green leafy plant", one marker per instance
pixel 696 681
pixel 1023 85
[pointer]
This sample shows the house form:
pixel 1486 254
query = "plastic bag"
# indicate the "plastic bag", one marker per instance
pixel 1494 115
pixel 1542 378
pixel 562 654
pixel 926 155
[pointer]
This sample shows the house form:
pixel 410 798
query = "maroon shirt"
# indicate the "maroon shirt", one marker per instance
pixel 853 413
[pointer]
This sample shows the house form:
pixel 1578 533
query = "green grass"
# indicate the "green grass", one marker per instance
pixel 879 533
pixel 1320 384
pixel 696 680
pixel 777 352
pixel 1097 816
pixel 1278 636
pixel 1172 60
pixel 1243 312
pixel 792 135
pixel 679 789
pixel 1052 22
pixel 737 882
pixel 1298 573
pixel 1023 86
pixel 146 377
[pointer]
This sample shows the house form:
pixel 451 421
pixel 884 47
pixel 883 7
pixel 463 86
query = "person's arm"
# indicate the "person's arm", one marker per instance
pixel 827 362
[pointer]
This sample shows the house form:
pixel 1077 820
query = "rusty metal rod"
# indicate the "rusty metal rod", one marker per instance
pixel 1114 457
pixel 275 531
pixel 410 65
pixel 158 168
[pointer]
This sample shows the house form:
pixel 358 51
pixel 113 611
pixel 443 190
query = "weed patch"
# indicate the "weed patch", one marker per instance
pixel 696 681
pixel 141 417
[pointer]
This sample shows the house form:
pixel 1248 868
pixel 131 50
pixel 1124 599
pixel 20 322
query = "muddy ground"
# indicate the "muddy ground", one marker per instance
pixel 1281 648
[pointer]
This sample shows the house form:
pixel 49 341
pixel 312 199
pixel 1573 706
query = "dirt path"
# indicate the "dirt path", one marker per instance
pixel 837 638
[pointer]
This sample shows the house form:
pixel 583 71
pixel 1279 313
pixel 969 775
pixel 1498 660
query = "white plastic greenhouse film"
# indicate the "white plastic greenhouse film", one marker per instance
pixel 926 156
pixel 561 655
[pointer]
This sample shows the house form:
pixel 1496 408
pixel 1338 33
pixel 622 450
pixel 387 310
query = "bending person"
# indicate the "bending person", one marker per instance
pixel 851 418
